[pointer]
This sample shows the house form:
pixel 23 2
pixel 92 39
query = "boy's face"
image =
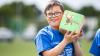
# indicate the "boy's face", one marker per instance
pixel 54 16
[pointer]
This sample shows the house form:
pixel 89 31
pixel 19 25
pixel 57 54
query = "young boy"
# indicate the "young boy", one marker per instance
pixel 95 48
pixel 50 42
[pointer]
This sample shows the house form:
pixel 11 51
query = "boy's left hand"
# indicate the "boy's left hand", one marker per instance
pixel 76 36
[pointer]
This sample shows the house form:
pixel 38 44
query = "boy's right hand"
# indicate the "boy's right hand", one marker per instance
pixel 68 36
pixel 71 36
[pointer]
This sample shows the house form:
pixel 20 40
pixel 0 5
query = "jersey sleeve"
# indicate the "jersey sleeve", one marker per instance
pixel 42 43
pixel 95 45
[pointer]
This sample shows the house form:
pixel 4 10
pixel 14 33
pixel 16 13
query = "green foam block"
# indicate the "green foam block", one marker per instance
pixel 72 21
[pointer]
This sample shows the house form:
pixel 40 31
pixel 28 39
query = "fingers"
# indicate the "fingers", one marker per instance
pixel 80 34
pixel 72 36
pixel 67 32
pixel 72 33
pixel 75 37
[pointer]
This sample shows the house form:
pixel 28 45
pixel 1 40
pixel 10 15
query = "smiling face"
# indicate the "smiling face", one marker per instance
pixel 54 16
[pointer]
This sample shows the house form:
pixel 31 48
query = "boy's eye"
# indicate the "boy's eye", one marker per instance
pixel 50 14
pixel 53 14
pixel 57 13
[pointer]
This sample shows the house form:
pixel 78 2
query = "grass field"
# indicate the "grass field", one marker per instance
pixel 85 46
pixel 18 48
pixel 23 48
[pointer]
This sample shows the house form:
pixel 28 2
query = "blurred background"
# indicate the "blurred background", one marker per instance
pixel 20 20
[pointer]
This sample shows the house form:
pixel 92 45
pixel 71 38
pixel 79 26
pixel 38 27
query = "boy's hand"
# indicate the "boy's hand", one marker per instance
pixel 72 37
pixel 76 36
pixel 68 36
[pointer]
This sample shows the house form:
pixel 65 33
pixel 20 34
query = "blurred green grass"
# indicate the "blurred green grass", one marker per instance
pixel 18 48
pixel 23 48
pixel 85 47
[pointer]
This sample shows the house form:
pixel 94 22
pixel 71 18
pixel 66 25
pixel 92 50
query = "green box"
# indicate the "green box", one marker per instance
pixel 71 21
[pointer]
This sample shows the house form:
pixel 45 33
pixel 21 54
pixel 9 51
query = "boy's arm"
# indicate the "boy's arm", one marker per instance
pixel 56 50
pixel 77 49
pixel 60 47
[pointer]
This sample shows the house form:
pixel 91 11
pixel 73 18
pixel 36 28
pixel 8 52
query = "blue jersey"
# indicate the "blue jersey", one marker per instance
pixel 95 48
pixel 47 38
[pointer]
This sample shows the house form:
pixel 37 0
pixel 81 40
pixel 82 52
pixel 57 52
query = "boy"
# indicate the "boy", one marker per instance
pixel 95 48
pixel 50 42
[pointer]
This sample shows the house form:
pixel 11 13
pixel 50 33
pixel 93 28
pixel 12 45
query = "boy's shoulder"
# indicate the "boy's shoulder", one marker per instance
pixel 44 30
pixel 98 31
pixel 97 35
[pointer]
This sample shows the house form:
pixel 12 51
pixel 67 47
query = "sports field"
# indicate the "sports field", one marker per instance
pixel 18 48
pixel 23 48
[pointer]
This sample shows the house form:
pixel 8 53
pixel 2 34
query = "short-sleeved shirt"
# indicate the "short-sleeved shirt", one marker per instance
pixel 47 38
pixel 95 48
